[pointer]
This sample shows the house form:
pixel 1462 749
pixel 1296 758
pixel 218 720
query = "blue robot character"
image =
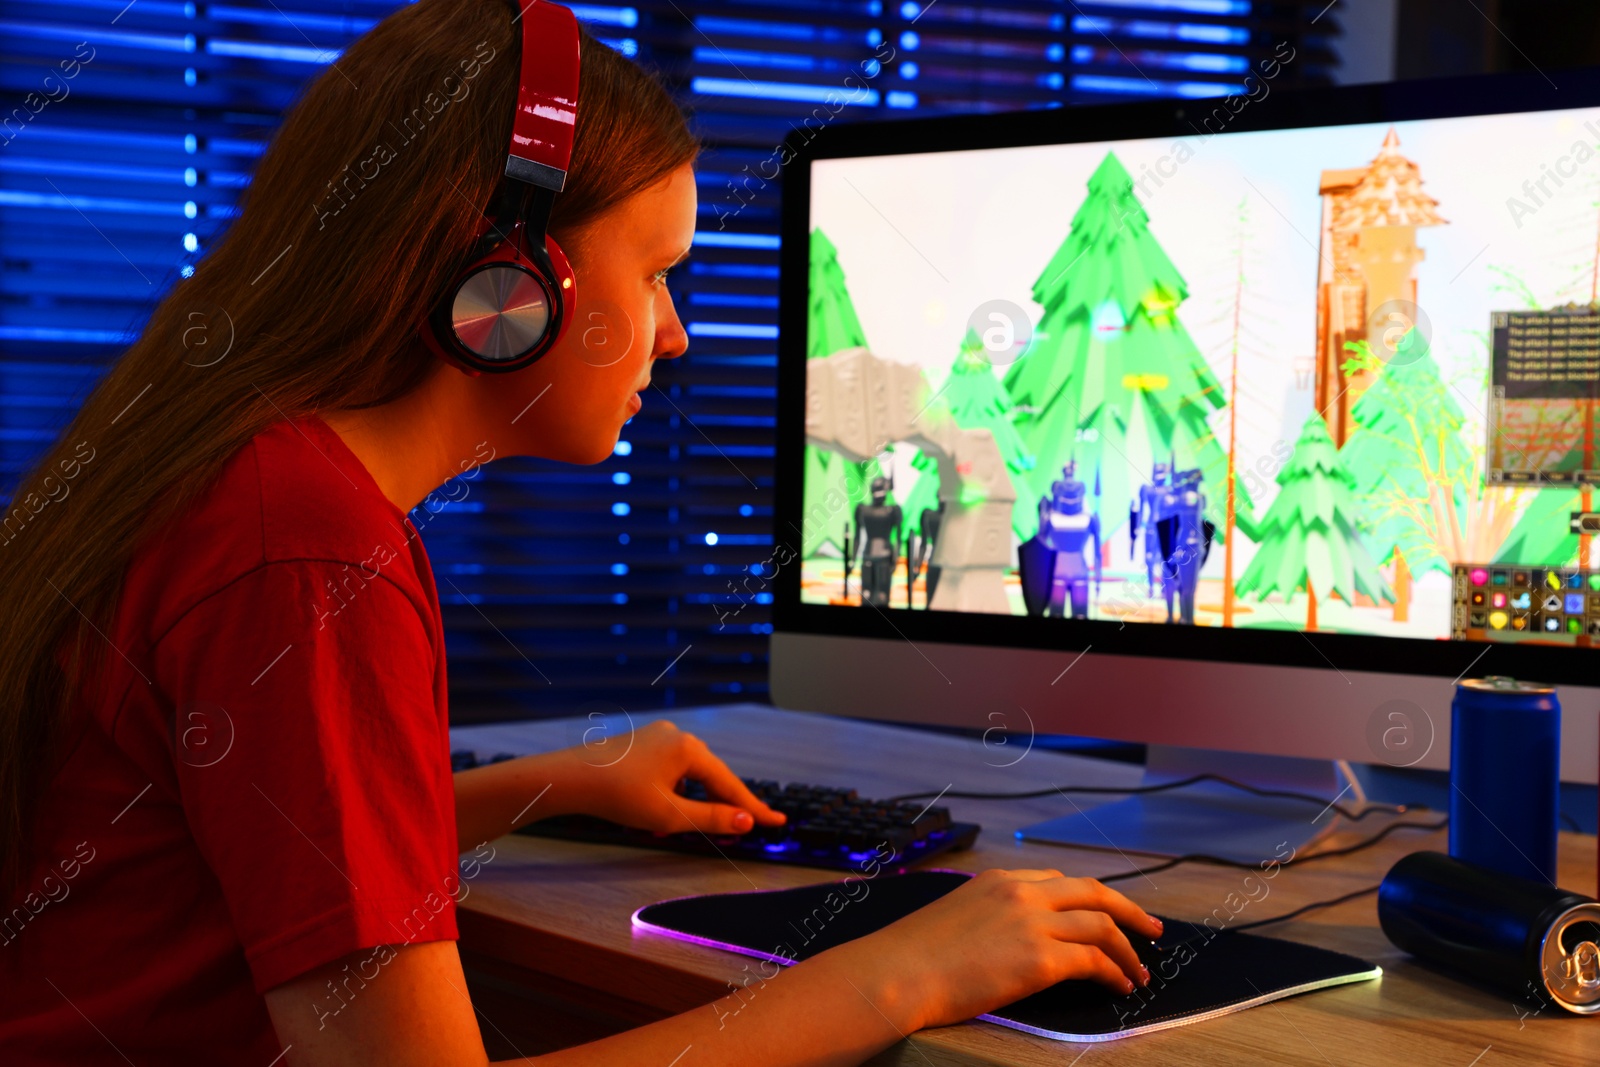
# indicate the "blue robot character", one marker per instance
pixel 1066 529
pixel 1185 538
pixel 1142 516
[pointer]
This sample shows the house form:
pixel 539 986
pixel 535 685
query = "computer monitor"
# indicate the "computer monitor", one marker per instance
pixel 1250 423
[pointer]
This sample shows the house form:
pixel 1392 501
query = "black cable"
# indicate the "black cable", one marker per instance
pixel 1200 857
pixel 1396 809
pixel 1296 913
pixel 1570 821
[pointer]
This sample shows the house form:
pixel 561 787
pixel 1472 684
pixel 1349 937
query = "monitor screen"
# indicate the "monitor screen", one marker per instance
pixel 1337 379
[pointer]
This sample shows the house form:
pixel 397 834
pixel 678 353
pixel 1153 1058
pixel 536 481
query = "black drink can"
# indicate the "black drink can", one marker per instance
pixel 1522 936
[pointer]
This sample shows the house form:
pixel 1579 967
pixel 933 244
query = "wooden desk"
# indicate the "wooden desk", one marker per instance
pixel 553 958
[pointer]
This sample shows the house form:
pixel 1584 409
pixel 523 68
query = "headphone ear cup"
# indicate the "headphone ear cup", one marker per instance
pixel 432 331
pixel 565 285
pixel 515 296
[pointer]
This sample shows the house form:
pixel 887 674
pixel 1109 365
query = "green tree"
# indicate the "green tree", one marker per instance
pixel 1111 377
pixel 831 323
pixel 976 400
pixel 1412 470
pixel 1542 536
pixel 831 326
pixel 1309 538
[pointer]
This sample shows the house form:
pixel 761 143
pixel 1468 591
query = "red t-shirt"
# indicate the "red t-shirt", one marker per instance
pixel 259 785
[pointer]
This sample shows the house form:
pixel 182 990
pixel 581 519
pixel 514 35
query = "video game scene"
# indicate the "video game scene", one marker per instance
pixel 1340 379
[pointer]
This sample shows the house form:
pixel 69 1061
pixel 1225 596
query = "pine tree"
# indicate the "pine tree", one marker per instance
pixel 1543 535
pixel 831 323
pixel 976 400
pixel 1309 538
pixel 1112 378
pixel 1407 457
pixel 832 326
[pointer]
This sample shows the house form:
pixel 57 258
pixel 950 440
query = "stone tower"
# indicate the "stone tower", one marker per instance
pixel 1367 261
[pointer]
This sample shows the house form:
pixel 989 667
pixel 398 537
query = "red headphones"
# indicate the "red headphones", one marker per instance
pixel 511 303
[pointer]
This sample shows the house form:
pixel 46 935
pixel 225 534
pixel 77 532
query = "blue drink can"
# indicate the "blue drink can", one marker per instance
pixel 1505 776
pixel 1530 939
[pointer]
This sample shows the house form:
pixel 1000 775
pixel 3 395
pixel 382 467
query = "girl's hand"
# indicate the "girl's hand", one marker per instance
pixel 996 939
pixel 638 789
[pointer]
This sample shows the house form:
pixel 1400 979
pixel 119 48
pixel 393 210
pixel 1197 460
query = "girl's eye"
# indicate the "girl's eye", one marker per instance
pixel 661 275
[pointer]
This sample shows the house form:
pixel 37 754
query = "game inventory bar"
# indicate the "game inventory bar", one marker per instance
pixel 1547 605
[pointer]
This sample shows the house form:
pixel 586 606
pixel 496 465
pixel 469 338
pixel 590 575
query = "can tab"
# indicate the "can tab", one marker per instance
pixel 1582 966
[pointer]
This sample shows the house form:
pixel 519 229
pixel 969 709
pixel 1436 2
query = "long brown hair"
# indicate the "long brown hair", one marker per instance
pixel 356 219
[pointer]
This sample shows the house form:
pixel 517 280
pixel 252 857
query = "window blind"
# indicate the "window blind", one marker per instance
pixel 127 131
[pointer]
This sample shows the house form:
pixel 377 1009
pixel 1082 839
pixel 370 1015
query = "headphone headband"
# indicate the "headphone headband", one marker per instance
pixel 547 95
pixel 511 302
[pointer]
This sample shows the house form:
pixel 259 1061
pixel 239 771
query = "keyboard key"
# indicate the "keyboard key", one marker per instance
pixel 813 835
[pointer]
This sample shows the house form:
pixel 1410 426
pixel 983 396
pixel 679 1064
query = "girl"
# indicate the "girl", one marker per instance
pixel 224 768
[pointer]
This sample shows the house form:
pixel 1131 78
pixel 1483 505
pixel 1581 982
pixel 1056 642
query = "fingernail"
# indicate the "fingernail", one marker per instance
pixel 742 820
pixel 1127 985
pixel 1145 972
pixel 1160 926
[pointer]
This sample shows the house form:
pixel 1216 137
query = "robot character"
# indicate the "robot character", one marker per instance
pixel 920 550
pixel 1142 516
pixel 1185 537
pixel 1066 528
pixel 877 542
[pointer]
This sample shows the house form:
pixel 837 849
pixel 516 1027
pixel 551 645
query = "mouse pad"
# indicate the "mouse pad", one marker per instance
pixel 1196 972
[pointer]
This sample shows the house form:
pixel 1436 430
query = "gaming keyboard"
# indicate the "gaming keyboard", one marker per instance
pixel 827 827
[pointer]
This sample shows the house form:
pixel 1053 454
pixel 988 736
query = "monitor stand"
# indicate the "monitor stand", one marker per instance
pixel 1209 818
